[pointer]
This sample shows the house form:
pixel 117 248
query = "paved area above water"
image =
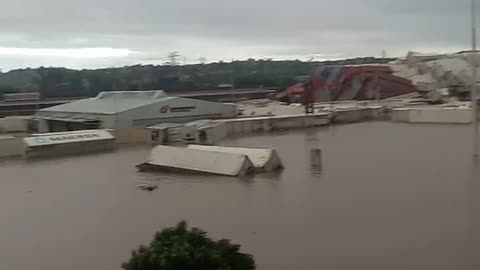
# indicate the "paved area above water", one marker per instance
pixel 391 196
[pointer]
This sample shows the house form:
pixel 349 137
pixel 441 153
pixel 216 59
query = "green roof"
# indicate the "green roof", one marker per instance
pixel 111 102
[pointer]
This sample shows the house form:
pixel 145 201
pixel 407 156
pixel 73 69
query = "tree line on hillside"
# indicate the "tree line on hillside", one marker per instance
pixel 61 82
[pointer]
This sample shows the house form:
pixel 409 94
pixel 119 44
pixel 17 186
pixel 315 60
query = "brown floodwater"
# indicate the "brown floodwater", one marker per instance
pixel 391 196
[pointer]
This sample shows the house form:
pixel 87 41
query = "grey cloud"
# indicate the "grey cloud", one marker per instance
pixel 236 29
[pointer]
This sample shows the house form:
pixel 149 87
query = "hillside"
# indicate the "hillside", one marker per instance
pixel 62 82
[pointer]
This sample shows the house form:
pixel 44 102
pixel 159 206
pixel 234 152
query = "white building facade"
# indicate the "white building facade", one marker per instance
pixel 129 109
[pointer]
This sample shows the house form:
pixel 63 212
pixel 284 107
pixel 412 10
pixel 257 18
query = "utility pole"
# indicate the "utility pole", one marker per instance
pixel 172 57
pixel 377 90
pixel 474 79
pixel 232 83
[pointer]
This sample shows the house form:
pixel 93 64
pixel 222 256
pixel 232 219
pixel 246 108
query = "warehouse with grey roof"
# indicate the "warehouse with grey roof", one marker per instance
pixel 128 109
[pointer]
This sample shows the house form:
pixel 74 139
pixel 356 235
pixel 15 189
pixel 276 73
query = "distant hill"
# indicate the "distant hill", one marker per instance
pixel 62 82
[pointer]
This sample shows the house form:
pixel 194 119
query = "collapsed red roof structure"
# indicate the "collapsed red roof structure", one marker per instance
pixel 362 82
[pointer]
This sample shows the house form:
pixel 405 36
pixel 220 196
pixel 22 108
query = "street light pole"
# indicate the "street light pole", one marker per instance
pixel 232 85
pixel 474 79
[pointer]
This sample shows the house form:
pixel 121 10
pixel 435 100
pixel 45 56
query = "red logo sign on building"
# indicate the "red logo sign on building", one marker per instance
pixel 165 109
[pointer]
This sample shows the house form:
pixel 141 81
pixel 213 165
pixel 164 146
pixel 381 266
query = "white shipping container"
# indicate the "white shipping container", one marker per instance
pixel 68 143
pixel 168 158
pixel 263 159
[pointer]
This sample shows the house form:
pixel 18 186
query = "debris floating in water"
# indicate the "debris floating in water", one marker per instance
pixel 147 187
pixel 316 160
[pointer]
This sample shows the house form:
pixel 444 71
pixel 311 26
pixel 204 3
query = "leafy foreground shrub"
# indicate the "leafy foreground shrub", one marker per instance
pixel 180 248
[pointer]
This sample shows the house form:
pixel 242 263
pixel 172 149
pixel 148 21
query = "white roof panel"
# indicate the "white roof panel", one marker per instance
pixel 229 164
pixel 261 158
pixel 68 137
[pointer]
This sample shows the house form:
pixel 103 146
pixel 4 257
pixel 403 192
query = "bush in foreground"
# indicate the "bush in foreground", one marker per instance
pixel 181 248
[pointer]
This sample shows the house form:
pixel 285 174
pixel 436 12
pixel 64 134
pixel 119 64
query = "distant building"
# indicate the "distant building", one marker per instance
pixel 225 86
pixel 128 109
pixel 30 96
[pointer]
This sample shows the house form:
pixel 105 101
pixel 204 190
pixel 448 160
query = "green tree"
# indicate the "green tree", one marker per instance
pixel 181 248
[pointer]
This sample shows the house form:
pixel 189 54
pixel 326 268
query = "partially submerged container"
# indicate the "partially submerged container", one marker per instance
pixel 205 132
pixel 11 146
pixel 176 159
pixel 68 143
pixel 264 160
pixel 164 133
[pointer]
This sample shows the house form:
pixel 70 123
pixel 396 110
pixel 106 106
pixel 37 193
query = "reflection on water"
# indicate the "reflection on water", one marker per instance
pixel 473 234
pixel 391 196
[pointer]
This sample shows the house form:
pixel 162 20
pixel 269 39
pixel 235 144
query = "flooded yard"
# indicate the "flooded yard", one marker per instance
pixel 390 196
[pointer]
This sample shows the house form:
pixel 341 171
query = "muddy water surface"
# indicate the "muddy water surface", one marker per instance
pixel 390 196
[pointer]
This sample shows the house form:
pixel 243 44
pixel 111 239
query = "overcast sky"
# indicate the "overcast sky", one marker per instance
pixel 103 33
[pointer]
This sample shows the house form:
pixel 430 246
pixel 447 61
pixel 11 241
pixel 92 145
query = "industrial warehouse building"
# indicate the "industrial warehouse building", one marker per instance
pixel 128 109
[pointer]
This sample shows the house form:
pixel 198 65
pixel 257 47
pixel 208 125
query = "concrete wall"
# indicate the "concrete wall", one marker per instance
pixel 353 115
pixel 11 146
pixel 432 115
pixel 441 115
pixel 400 115
pixel 305 121
pixel 132 135
pixel 267 124
pixel 247 127
pixel 15 123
